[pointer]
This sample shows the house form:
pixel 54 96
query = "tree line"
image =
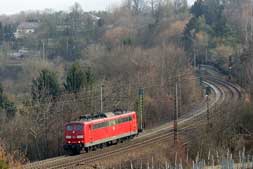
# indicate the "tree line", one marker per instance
pixel 47 84
pixel 220 33
pixel 138 44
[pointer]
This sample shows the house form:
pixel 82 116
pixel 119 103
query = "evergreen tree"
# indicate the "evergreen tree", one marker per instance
pixel 198 8
pixel 75 79
pixel 213 11
pixel 45 85
pixel 7 105
pixel 189 33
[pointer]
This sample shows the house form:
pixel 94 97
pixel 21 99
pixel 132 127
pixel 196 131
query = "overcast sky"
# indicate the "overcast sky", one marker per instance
pixel 15 6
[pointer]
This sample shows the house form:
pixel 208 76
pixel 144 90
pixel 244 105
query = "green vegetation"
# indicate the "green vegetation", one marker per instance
pixel 208 35
pixel 45 85
pixel 72 56
pixel 89 79
pixel 220 33
pixel 57 73
pixel 7 160
pixel 3 165
pixel 75 79
pixel 6 105
pixel 7 32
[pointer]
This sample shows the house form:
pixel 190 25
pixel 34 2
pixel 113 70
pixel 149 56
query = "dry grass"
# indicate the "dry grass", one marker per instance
pixel 151 156
pixel 9 160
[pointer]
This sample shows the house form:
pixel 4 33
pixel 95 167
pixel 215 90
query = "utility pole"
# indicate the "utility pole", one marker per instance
pixel 43 50
pixel 67 48
pixel 175 113
pixel 179 97
pixel 141 109
pixel 194 58
pixel 230 67
pixel 208 113
pixel 206 56
pixel 101 91
pixel 208 91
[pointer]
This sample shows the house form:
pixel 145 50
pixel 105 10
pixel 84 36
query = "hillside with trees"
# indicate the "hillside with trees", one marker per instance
pixel 54 65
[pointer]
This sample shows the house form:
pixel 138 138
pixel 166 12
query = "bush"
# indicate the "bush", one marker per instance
pixel 230 129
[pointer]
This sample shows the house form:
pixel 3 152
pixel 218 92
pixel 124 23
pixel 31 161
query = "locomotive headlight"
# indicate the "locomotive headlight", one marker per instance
pixel 68 137
pixel 79 136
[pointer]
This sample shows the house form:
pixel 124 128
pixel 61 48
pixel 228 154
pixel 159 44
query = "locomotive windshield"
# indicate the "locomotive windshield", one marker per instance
pixel 77 127
pixel 69 127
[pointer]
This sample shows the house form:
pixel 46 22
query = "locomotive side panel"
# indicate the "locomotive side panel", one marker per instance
pixel 95 133
pixel 134 125
pixel 99 131
pixel 87 133
pixel 112 129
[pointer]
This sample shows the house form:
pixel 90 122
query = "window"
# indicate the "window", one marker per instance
pixel 100 125
pixel 112 122
pixel 130 118
pixel 79 127
pixel 124 119
pixel 69 127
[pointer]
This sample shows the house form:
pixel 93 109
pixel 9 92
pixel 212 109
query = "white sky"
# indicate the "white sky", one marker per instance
pixel 15 6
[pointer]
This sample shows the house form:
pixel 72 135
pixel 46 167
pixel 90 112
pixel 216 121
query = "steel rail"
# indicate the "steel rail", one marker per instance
pixel 150 137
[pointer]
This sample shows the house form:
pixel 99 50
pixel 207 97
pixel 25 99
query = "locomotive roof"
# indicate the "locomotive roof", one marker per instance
pixel 103 115
pixel 99 116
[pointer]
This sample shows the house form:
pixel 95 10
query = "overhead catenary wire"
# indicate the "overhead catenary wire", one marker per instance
pixel 83 95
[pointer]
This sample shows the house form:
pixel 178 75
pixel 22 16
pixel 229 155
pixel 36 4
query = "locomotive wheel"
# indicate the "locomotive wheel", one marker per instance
pixel 77 151
pixel 87 149
pixel 94 148
pixel 71 152
pixel 101 146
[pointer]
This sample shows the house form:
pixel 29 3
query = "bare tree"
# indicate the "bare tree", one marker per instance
pixel 75 15
pixel 138 5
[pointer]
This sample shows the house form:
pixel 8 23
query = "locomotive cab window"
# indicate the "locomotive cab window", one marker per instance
pixel 79 127
pixel 69 128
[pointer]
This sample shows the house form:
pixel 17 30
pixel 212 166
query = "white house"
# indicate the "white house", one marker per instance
pixel 26 28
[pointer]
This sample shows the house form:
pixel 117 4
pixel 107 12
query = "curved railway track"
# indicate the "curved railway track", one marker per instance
pixel 230 93
pixel 222 92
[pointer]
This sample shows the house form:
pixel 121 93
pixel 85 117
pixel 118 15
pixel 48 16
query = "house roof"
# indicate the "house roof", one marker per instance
pixel 28 25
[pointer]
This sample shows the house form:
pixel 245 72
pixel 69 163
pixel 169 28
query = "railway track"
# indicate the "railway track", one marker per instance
pixel 222 92
pixel 230 92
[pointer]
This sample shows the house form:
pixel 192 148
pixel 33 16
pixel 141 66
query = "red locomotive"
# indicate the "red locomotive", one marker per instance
pixel 99 130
